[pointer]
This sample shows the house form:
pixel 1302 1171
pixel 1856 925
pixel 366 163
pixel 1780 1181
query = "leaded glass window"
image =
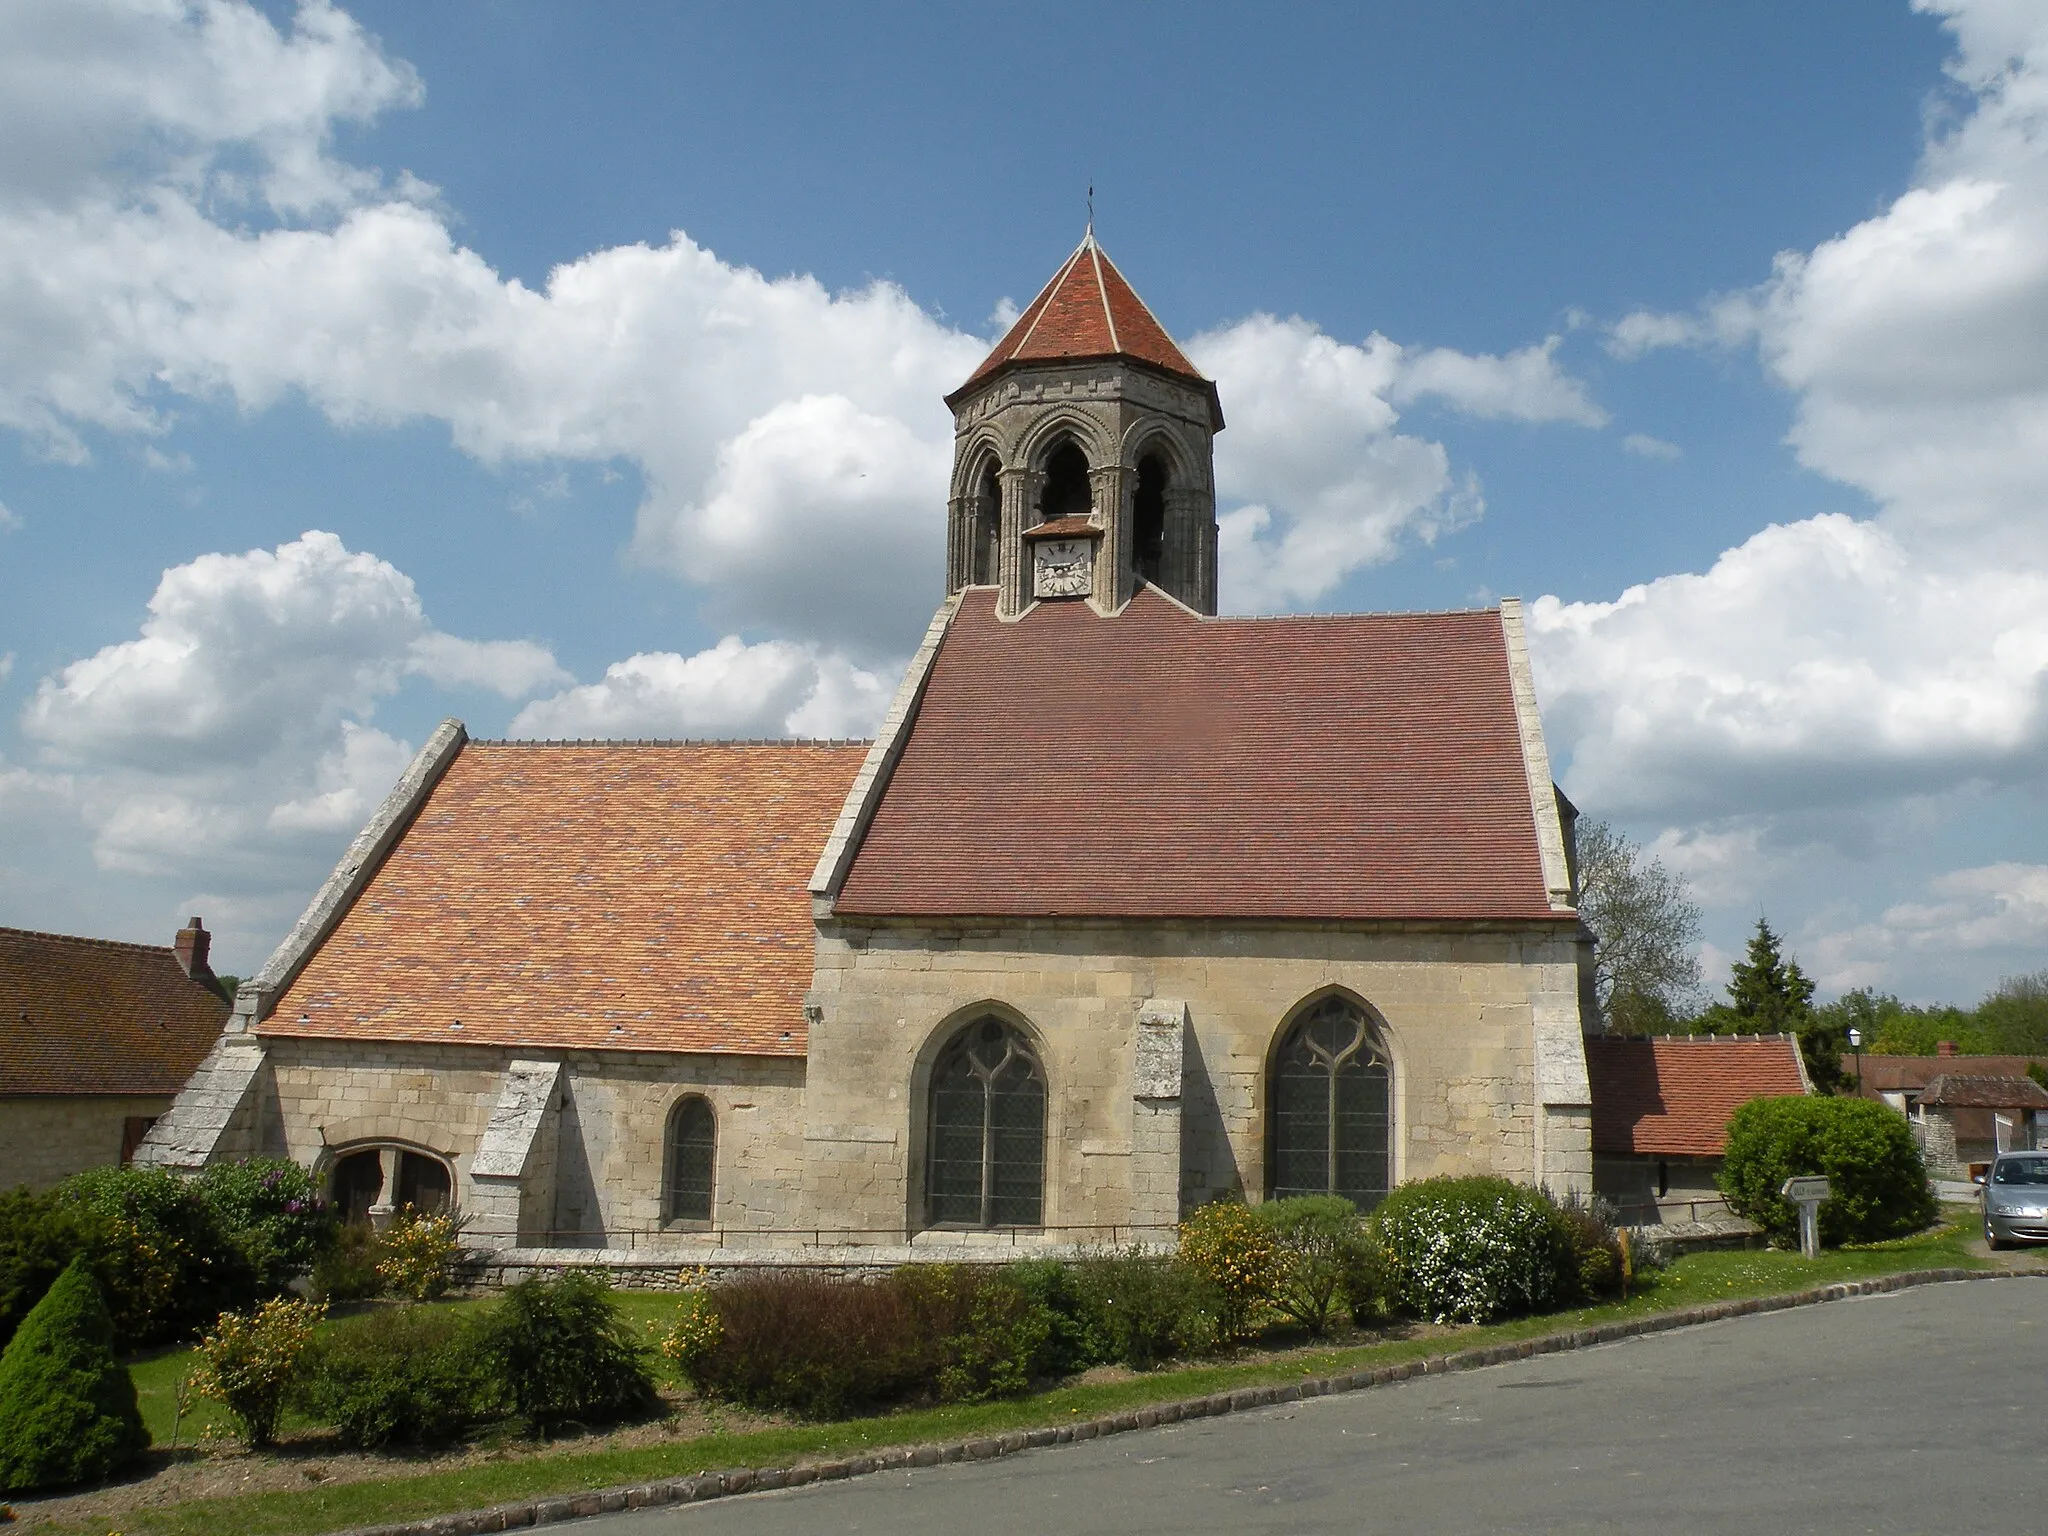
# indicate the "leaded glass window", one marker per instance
pixel 987 1130
pixel 692 1162
pixel 1330 1107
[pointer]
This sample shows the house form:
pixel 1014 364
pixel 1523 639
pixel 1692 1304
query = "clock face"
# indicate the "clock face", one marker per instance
pixel 1063 568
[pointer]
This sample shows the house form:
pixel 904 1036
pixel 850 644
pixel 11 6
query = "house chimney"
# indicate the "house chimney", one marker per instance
pixel 190 947
pixel 1941 1047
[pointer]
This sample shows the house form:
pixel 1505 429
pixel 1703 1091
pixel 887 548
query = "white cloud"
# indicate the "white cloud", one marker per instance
pixel 774 688
pixel 1526 385
pixel 1644 446
pixel 235 724
pixel 509 668
pixel 1995 910
pixel 9 519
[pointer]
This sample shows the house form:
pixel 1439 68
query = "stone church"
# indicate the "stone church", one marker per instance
pixel 1126 907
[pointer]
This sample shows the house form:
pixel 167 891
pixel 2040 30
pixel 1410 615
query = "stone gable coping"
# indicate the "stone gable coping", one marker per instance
pixel 739 1480
pixel 332 901
pixel 1557 877
pixel 872 781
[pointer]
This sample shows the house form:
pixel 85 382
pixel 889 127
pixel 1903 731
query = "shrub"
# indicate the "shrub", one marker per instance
pixel 67 1407
pixel 695 1333
pixel 166 1267
pixel 988 1336
pixel 1864 1148
pixel 566 1355
pixel 270 1209
pixel 251 1360
pixel 1229 1246
pixel 1073 1341
pixel 417 1253
pixel 39 1237
pixel 347 1269
pixel 1321 1253
pixel 1588 1226
pixel 812 1345
pixel 1472 1250
pixel 406 1374
pixel 1146 1310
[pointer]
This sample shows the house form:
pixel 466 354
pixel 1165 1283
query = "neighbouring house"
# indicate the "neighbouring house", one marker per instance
pixel 1962 1118
pixel 96 1038
pixel 1660 1115
pixel 1128 905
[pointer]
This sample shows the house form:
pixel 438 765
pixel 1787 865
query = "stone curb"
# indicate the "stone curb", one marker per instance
pixel 717 1485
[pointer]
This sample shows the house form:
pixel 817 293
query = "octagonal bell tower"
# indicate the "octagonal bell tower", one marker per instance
pixel 1083 460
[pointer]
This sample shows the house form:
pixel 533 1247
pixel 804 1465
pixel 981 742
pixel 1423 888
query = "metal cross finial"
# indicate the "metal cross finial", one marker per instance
pixel 1091 210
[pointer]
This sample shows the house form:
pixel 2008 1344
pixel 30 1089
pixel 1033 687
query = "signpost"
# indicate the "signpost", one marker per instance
pixel 1807 1193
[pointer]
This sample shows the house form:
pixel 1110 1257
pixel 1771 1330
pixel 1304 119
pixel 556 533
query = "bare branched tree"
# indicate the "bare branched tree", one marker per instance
pixel 1646 967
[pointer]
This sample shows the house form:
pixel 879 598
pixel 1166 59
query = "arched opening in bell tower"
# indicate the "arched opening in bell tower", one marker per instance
pixel 1148 518
pixel 1066 492
pixel 987 528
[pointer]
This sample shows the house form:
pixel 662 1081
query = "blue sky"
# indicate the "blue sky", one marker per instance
pixel 602 346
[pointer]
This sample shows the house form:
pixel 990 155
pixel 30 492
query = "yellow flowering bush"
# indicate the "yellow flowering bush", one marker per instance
pixel 249 1361
pixel 419 1250
pixel 1227 1244
pixel 694 1334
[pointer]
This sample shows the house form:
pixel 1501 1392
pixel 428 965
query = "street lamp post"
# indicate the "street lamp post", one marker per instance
pixel 1856 1045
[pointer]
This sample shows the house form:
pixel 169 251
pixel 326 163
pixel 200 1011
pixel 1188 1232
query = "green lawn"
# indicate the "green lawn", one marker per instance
pixel 1691 1281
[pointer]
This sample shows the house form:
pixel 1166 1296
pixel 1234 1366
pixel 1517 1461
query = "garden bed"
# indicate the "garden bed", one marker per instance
pixel 307 1485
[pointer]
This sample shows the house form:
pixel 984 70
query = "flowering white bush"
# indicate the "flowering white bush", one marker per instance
pixel 1471 1250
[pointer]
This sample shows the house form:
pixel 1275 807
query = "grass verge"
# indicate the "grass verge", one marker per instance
pixel 1692 1281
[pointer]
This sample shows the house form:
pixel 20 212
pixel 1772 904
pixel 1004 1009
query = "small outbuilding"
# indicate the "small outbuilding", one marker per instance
pixel 1660 1116
pixel 1964 1120
pixel 96 1039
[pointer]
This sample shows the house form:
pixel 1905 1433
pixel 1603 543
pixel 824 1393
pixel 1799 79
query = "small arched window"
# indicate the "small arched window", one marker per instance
pixel 987 1164
pixel 988 527
pixel 1329 1110
pixel 691 1166
pixel 1148 517
pixel 1066 492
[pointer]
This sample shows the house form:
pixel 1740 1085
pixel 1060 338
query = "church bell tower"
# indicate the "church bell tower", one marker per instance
pixel 1083 461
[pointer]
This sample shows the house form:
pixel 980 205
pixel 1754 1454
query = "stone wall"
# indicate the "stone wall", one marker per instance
pixel 605 1148
pixel 1464 1009
pixel 46 1139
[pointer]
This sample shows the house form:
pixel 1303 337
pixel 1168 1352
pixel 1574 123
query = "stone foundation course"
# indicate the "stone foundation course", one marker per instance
pixel 738 1480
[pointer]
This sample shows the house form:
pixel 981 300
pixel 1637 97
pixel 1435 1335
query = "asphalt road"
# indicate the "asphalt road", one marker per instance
pixel 1917 1411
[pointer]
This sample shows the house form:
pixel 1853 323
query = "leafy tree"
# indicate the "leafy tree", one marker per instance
pixel 1768 994
pixel 1646 969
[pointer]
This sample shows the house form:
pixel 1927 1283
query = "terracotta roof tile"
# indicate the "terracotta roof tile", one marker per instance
pixel 1161 764
pixel 1088 310
pixel 1672 1096
pixel 642 897
pixel 1952 1091
pixel 1911 1074
pixel 95 1016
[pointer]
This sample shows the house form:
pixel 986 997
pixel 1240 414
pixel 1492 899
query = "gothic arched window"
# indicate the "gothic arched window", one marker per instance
pixel 1066 492
pixel 1148 517
pixel 1330 1107
pixel 987 1125
pixel 986 557
pixel 690 1166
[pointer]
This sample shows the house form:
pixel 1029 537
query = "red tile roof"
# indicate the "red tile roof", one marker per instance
pixel 623 896
pixel 1951 1091
pixel 1910 1074
pixel 92 1016
pixel 1087 310
pixel 1161 764
pixel 1671 1097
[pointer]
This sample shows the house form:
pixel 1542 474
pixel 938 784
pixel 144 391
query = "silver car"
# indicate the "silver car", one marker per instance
pixel 2016 1199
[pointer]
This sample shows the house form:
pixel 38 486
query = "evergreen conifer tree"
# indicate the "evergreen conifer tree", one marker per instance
pixel 1768 994
pixel 67 1407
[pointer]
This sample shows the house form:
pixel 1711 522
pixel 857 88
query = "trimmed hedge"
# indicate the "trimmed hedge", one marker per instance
pixel 67 1407
pixel 1864 1148
pixel 406 1375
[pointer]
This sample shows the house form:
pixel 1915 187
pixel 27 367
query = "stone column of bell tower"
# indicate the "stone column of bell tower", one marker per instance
pixel 1087 368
